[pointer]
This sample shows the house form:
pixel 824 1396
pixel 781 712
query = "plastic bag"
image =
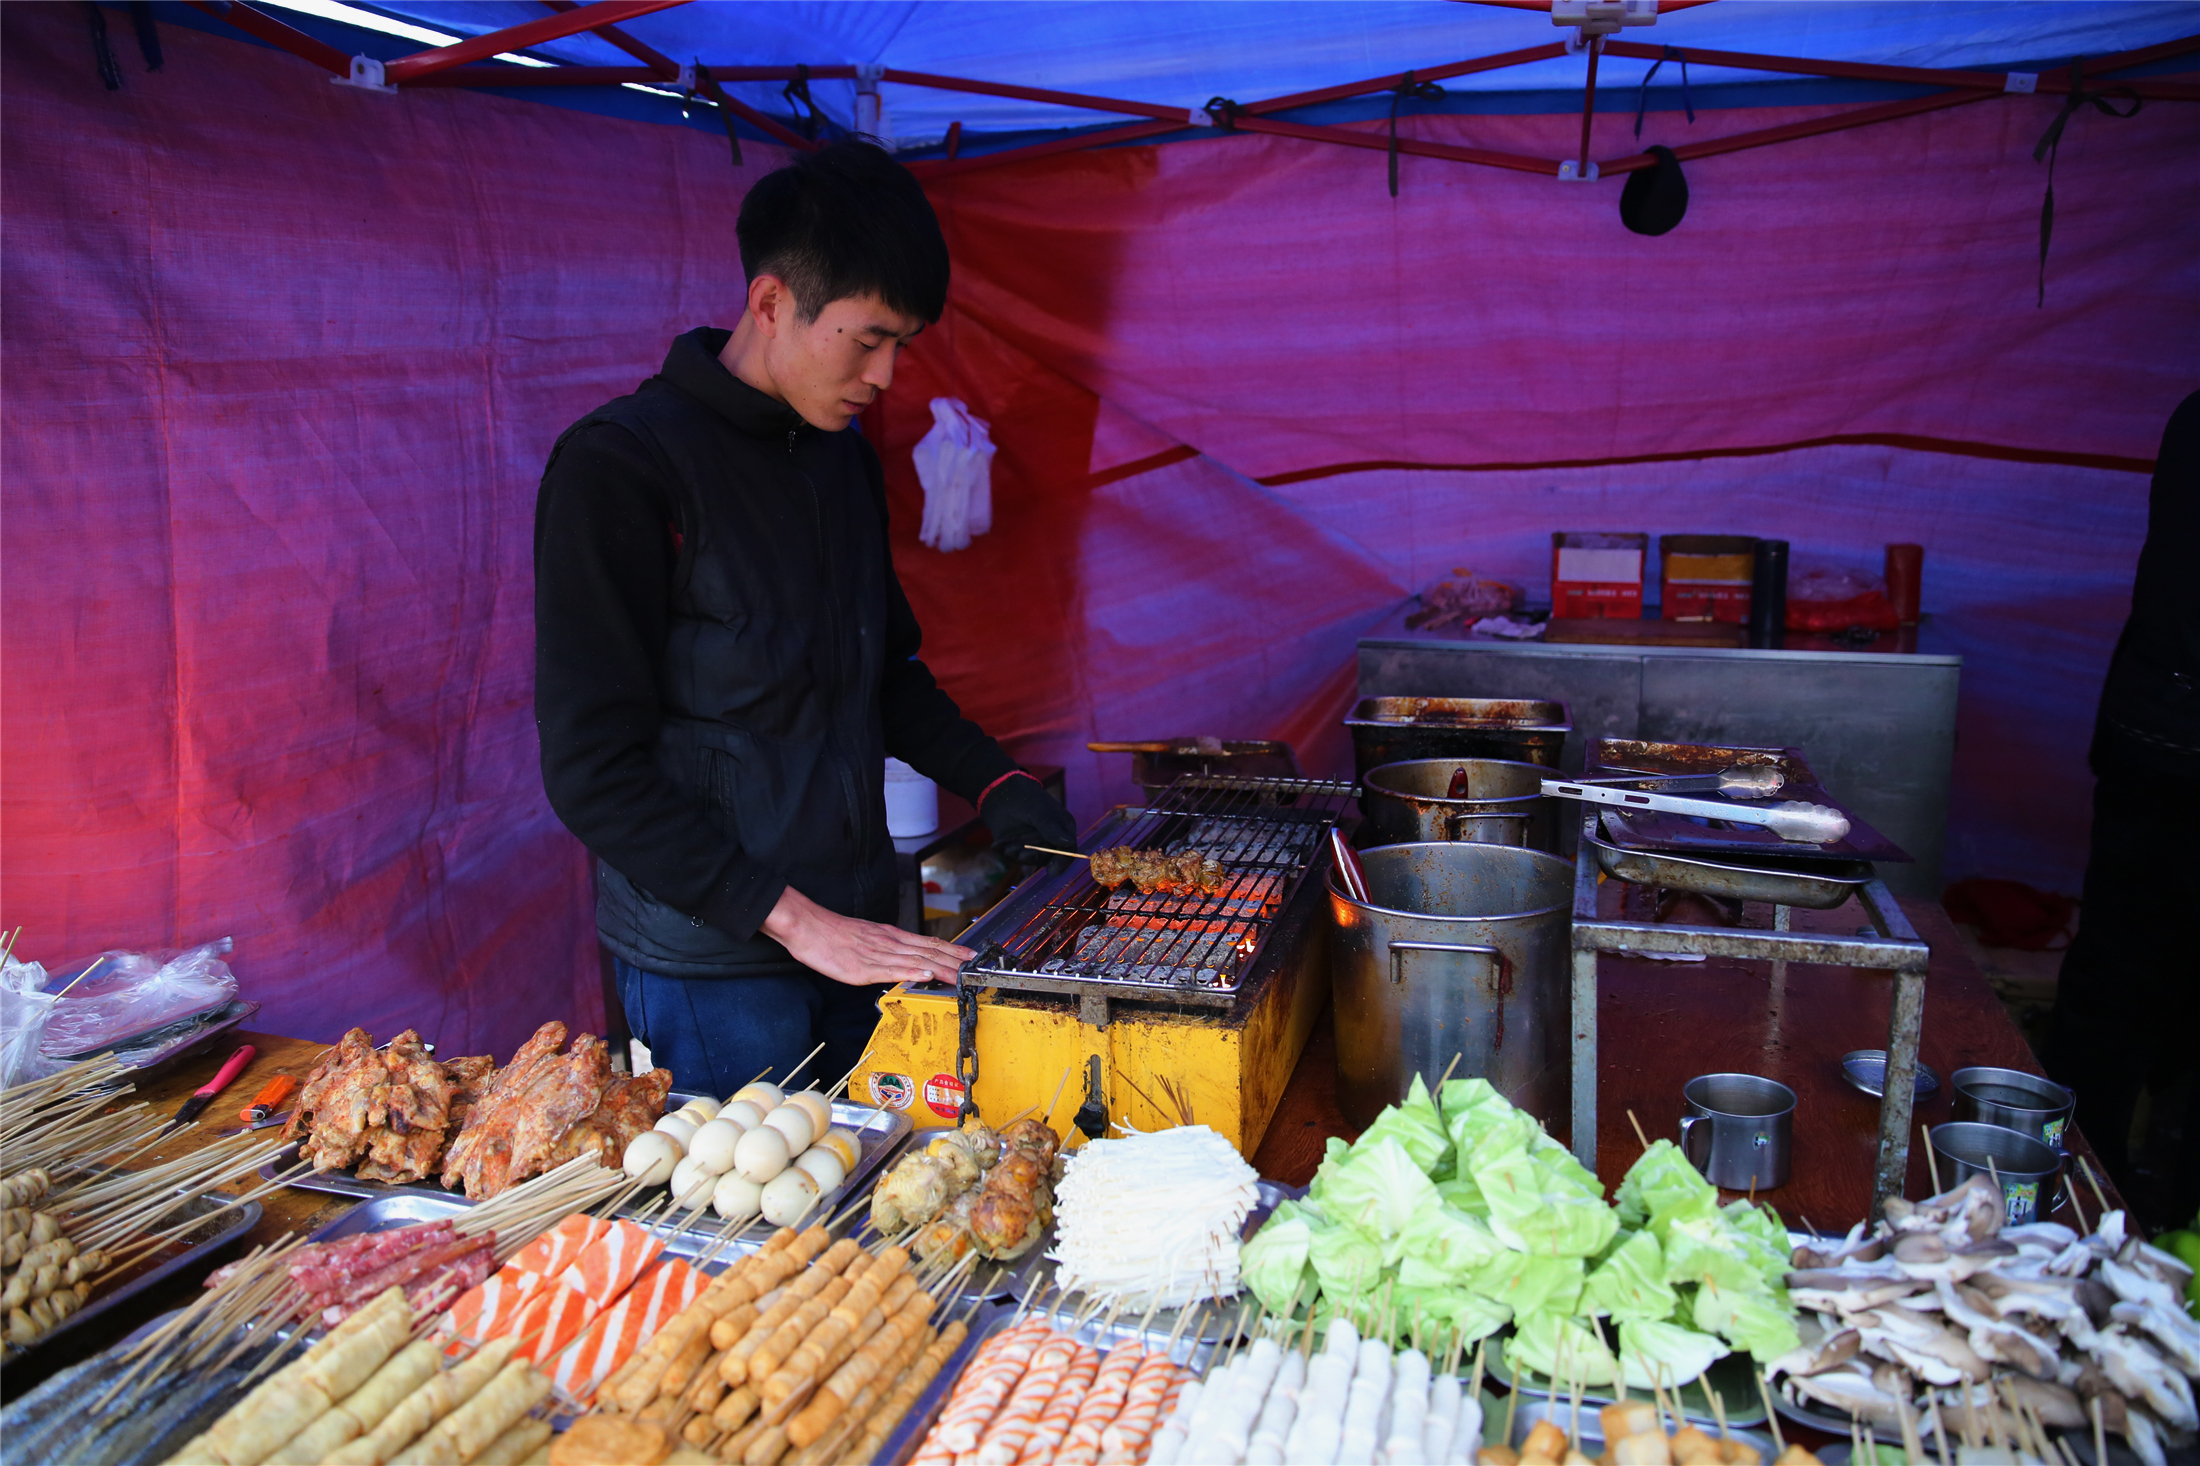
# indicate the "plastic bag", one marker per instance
pixel 955 464
pixel 119 995
pixel 24 1009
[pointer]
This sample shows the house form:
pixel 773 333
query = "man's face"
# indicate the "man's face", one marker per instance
pixel 830 369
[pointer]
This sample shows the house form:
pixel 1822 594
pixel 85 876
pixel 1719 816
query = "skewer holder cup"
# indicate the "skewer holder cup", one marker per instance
pixel 2027 1166
pixel 1409 802
pixel 1460 949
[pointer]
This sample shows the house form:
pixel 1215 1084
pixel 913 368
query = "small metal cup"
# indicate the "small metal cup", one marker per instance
pixel 2015 1100
pixel 2026 1166
pixel 1739 1130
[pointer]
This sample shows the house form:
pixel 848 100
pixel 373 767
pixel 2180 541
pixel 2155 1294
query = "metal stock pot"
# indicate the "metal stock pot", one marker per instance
pixel 1409 802
pixel 1462 949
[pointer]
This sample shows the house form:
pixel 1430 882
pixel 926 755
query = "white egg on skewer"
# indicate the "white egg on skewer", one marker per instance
pixel 651 1156
pixel 679 1127
pixel 761 1155
pixel 691 1183
pixel 714 1145
pixel 844 1144
pixel 823 1165
pixel 789 1197
pixel 765 1097
pixel 792 1122
pixel 702 1105
pixel 817 1107
pixel 745 1113
pixel 737 1198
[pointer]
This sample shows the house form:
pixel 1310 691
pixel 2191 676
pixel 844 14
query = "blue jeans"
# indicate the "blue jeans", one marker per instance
pixel 715 1033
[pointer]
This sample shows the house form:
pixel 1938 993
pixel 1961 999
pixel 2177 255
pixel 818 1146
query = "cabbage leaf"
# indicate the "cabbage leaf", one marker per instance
pixel 1414 1124
pixel 1630 1282
pixel 1273 1264
pixel 1749 1321
pixel 1665 1353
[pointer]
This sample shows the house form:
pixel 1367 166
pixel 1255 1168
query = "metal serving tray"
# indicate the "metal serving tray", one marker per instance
pixel 989 1319
pixel 1643 830
pixel 1734 1377
pixel 223 1224
pixel 1036 1267
pixel 1817 885
pixel 881 1132
pixel 394 1209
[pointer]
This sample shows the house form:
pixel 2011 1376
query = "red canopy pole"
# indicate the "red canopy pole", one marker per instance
pixel 657 61
pixel 1179 115
pixel 1380 142
pixel 517 37
pixel 1589 105
pixel 259 23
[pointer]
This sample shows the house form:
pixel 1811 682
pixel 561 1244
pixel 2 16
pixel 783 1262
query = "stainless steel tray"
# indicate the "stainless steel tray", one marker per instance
pixel 1642 830
pixel 989 1319
pixel 396 1209
pixel 1817 885
pixel 1590 1441
pixel 880 1131
pixel 1734 1377
pixel 1036 1267
pixel 222 1225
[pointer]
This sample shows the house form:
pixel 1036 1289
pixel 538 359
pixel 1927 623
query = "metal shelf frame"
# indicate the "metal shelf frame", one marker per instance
pixel 1893 947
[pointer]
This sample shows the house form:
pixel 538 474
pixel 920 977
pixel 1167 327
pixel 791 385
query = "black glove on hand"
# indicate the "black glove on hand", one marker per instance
pixel 1020 812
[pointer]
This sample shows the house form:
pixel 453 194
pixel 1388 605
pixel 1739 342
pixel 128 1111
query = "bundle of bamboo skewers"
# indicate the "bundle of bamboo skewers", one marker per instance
pixel 76 1213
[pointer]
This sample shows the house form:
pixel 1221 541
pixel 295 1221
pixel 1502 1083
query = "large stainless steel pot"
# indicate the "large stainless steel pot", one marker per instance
pixel 1461 950
pixel 1407 803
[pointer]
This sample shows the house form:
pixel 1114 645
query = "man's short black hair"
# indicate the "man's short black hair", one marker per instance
pixel 846 220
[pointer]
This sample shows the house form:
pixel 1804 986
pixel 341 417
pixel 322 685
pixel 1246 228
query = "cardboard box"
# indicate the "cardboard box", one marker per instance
pixel 1597 575
pixel 1705 577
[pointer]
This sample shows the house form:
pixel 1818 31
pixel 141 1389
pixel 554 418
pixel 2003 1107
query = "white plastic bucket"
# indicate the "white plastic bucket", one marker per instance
pixel 912 801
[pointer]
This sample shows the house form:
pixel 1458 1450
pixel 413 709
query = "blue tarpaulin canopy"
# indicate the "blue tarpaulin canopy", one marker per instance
pixel 1184 52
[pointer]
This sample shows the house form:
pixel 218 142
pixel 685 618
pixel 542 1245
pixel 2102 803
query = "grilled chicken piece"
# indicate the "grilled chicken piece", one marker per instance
pixel 629 1106
pixel 331 1115
pixel 464 1155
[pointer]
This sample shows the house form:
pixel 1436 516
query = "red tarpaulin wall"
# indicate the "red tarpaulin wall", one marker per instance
pixel 284 360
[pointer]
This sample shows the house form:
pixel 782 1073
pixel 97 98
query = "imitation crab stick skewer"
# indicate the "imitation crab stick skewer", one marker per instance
pixel 1004 1438
pixel 1061 1408
pixel 1081 1443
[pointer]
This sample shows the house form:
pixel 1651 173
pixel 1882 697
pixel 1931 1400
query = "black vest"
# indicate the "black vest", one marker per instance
pixel 770 677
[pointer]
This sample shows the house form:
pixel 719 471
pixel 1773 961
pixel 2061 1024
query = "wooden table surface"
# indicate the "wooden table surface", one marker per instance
pixel 1660 1024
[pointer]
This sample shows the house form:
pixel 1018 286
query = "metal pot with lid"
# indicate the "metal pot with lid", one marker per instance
pixel 1461 948
pixel 1500 802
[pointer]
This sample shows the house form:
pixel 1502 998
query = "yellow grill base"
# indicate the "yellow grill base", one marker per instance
pixel 1233 1063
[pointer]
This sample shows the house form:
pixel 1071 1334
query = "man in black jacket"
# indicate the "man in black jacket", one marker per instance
pixel 724 657
pixel 2125 1007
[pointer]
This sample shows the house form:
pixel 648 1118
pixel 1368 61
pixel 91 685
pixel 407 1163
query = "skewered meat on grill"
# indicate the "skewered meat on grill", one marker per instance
pixel 1017 1201
pixel 1155 870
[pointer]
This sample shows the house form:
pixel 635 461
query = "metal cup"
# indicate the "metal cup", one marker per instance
pixel 2017 1101
pixel 1739 1130
pixel 2026 1166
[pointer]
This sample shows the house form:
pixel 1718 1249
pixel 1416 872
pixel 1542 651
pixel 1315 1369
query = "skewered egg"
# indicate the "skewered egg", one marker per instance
pixel 766 1097
pixel 679 1127
pixel 761 1154
pixel 691 1184
pixel 702 1105
pixel 714 1145
pixel 737 1198
pixel 789 1197
pixel 817 1107
pixel 651 1156
pixel 795 1125
pixel 824 1167
pixel 844 1144
pixel 743 1113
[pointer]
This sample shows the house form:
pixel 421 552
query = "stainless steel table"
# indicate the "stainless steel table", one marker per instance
pixel 1878 724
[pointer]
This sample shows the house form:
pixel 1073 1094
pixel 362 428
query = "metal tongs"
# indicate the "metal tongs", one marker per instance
pixel 1793 819
pixel 1743 781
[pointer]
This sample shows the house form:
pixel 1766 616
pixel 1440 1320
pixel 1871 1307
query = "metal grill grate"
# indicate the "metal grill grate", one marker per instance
pixel 1196 945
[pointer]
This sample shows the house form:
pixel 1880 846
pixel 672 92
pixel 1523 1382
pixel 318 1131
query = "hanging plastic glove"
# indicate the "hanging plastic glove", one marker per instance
pixel 955 464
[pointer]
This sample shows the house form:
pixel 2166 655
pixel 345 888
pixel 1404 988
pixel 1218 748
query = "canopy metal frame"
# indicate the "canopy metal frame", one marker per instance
pixel 459 65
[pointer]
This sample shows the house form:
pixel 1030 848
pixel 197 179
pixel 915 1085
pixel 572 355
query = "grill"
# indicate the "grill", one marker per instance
pixel 1073 935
